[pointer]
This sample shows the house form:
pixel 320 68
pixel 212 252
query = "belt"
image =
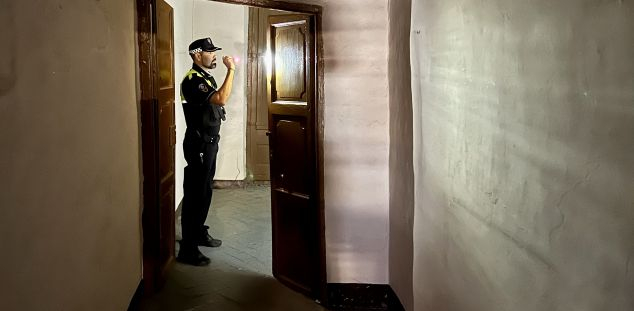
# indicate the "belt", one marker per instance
pixel 207 138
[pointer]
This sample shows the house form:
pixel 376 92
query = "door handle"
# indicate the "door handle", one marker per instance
pixel 268 133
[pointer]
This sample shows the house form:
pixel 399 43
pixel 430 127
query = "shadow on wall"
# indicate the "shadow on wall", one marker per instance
pixel 357 248
pixel 8 58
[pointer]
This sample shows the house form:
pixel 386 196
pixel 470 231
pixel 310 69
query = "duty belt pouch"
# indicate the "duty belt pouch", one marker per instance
pixel 219 112
pixel 206 138
pixel 209 139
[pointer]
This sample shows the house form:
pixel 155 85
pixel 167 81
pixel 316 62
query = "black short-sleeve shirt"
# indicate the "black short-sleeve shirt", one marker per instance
pixel 198 86
pixel 200 115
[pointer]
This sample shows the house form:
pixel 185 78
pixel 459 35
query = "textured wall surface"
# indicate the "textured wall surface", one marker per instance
pixel 70 199
pixel 401 170
pixel 226 24
pixel 523 124
pixel 356 141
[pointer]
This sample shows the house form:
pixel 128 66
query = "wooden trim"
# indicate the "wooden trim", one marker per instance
pixel 319 130
pixel 154 269
pixel 252 82
pixel 355 296
pixel 149 97
pixel 278 5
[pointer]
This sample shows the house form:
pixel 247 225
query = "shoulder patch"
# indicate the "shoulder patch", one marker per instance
pixel 203 88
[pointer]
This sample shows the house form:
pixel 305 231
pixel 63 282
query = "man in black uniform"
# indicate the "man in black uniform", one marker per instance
pixel 203 105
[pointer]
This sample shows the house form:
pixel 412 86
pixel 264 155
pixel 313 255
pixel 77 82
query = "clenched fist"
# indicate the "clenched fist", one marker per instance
pixel 228 61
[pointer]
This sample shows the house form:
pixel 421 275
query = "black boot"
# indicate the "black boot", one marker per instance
pixel 189 254
pixel 206 240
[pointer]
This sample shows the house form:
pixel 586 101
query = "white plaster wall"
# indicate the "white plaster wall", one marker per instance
pixel 71 187
pixel 226 25
pixel 182 64
pixel 523 124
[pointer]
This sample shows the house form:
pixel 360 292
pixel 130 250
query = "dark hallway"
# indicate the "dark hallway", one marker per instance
pixel 239 276
pixel 477 156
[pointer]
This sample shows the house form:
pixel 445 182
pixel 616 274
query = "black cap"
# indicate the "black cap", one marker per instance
pixel 202 45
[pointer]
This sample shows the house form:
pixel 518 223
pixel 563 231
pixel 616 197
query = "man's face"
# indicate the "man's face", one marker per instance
pixel 208 59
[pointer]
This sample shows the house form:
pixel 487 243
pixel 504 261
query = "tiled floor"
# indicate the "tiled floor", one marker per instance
pixel 239 276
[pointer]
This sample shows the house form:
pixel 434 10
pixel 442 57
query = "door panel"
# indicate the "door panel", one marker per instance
pixel 166 130
pixel 295 209
pixel 291 215
pixel 158 139
pixel 290 61
pixel 290 160
pixel 289 72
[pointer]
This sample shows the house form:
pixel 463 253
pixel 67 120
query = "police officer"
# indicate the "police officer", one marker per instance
pixel 203 105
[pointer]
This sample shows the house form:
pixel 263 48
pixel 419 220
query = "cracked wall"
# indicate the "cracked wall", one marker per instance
pixel 523 144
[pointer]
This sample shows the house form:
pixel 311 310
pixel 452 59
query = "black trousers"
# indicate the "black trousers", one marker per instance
pixel 197 187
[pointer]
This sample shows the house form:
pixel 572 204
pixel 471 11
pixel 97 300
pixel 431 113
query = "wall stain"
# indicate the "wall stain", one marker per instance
pixel 8 79
pixel 8 64
pixel 574 186
pixel 103 41
pixel 528 249
pixel 494 201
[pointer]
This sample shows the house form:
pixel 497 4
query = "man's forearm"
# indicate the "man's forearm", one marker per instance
pixel 222 95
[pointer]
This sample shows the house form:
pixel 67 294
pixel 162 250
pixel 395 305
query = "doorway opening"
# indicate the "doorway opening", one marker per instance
pixel 282 121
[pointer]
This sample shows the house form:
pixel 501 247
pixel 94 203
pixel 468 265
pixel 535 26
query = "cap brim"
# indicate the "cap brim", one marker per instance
pixel 213 50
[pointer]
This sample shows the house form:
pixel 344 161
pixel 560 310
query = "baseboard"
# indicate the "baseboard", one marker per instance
pixel 135 302
pixel 354 296
pixel 228 184
pixel 237 184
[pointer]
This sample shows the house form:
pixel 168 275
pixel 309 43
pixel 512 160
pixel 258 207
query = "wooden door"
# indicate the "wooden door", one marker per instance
pixel 166 130
pixel 294 197
pixel 159 140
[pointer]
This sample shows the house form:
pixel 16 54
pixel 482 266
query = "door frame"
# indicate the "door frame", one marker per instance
pixel 147 62
pixel 148 81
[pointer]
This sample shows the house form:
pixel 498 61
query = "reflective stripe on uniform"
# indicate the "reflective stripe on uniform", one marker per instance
pixel 189 76
pixel 192 72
